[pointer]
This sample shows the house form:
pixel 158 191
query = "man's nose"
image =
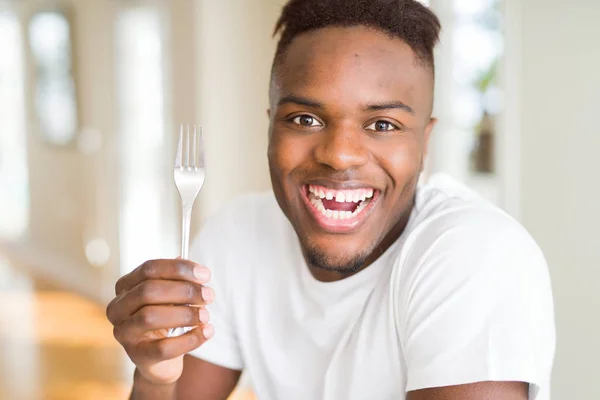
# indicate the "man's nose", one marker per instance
pixel 342 148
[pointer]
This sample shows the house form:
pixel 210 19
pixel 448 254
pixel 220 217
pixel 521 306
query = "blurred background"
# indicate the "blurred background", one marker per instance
pixel 92 93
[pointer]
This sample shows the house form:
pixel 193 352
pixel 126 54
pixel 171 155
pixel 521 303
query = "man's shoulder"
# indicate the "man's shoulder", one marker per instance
pixel 444 204
pixel 456 224
pixel 471 271
pixel 475 222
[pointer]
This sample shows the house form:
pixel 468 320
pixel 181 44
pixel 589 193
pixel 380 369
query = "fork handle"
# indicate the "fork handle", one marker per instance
pixel 186 220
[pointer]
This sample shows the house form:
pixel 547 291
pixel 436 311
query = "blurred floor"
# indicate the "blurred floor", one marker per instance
pixel 55 345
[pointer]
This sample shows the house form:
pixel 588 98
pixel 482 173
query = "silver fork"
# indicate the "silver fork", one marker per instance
pixel 189 173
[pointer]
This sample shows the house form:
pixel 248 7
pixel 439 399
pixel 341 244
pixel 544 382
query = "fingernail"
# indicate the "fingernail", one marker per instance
pixel 207 294
pixel 201 273
pixel 208 331
pixel 204 316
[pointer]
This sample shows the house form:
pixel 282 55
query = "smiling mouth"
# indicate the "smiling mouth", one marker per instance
pixel 339 210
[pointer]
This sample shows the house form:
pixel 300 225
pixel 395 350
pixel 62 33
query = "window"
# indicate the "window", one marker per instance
pixel 468 96
pixel 55 103
pixel 14 190
pixel 478 45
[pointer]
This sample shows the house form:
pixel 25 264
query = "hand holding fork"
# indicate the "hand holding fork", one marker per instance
pixel 159 296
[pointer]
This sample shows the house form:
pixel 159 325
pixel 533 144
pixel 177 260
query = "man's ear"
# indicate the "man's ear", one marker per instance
pixel 426 136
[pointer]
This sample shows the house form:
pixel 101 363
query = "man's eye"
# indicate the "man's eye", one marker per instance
pixel 306 120
pixel 381 126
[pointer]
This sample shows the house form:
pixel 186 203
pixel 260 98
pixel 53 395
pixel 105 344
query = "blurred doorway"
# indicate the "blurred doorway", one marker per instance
pixel 84 205
pixel 14 190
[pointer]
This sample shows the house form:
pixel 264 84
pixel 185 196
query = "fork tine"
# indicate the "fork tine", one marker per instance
pixel 195 148
pixel 179 148
pixel 188 154
pixel 201 148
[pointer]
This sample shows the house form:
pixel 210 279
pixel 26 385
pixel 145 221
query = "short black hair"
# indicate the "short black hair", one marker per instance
pixel 408 20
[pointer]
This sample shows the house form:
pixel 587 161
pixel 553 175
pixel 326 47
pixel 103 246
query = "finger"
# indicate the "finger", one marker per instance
pixel 157 292
pixel 152 318
pixel 178 269
pixel 172 347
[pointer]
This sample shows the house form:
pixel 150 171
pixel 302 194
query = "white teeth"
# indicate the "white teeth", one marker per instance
pixel 342 196
pixel 337 214
pixel 320 206
pixel 361 196
pixel 361 207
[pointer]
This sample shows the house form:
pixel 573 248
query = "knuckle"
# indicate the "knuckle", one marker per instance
pixel 109 313
pixel 182 268
pixel 119 286
pixel 117 333
pixel 193 341
pixel 163 350
pixel 192 292
pixel 191 316
pixel 178 266
pixel 148 269
pixel 121 337
pixel 112 312
pixel 145 317
pixel 147 291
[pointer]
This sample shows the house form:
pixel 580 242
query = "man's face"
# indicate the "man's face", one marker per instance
pixel 350 120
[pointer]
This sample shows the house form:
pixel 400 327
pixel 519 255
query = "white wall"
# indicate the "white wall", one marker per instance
pixel 559 84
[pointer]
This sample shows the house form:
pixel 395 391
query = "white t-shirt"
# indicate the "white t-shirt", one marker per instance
pixel 463 296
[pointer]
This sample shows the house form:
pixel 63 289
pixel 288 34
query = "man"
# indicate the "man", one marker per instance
pixel 352 280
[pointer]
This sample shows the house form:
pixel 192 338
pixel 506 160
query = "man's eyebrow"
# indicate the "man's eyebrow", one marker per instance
pixel 388 106
pixel 303 101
